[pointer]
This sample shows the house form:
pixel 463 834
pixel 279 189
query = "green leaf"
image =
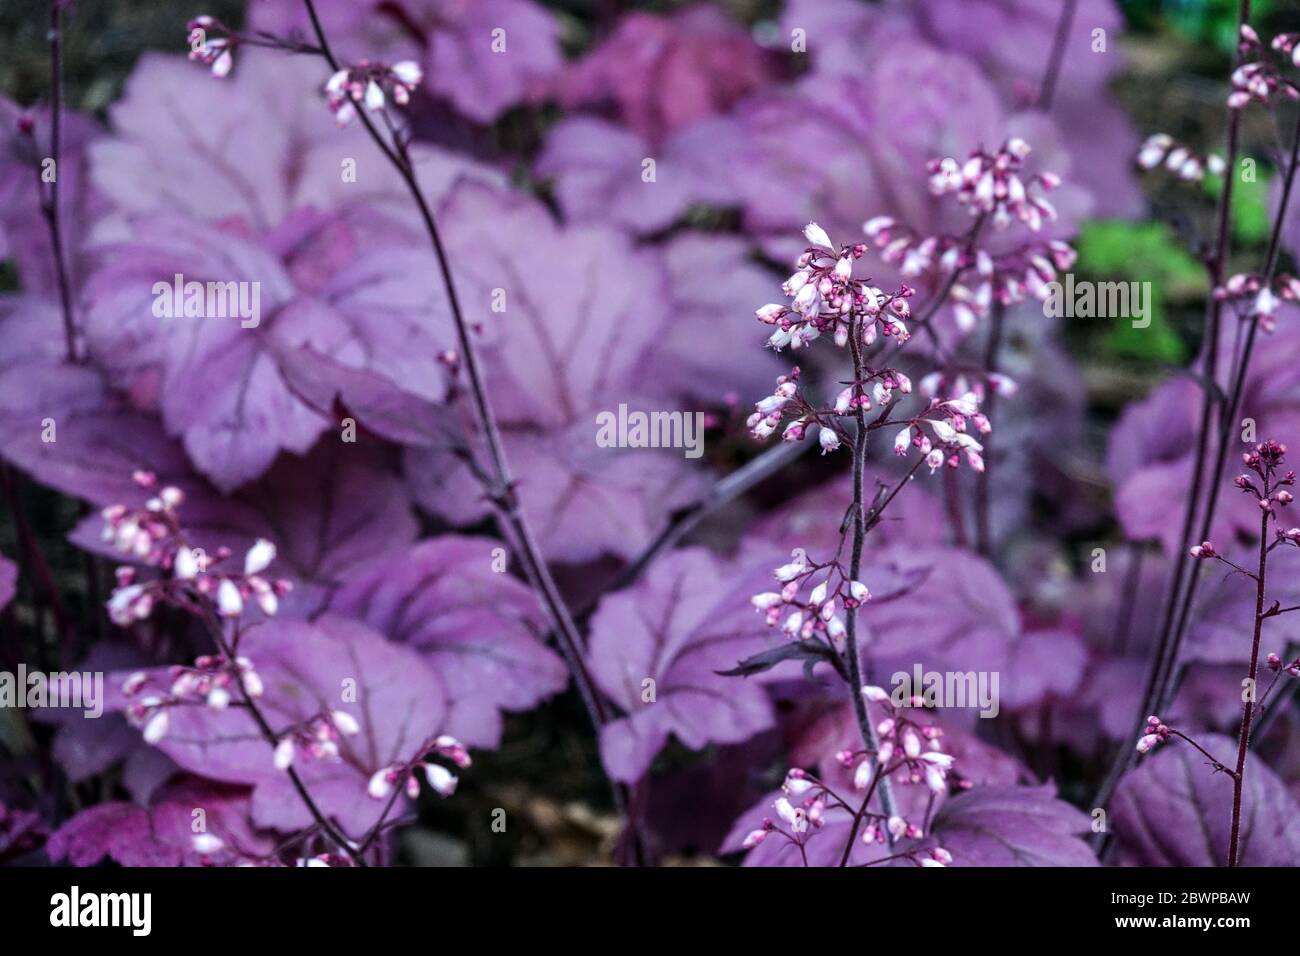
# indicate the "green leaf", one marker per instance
pixel 1143 251
pixel 1111 251
pixel 1207 21
pixel 1252 223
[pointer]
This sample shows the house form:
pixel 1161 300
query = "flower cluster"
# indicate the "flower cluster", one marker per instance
pixel 941 433
pixel 209 683
pixel 825 298
pixel 916 746
pixel 1156 733
pixel 818 614
pixel 441 780
pixel 1288 44
pixel 217 53
pixel 957 381
pixel 1263 299
pixel 876 388
pixel 370 84
pixel 1270 492
pixel 152 535
pixel 1268 489
pixel 991 184
pixel 909 753
pixel 1275 664
pixel 1161 149
pixel 1265 460
pixel 1259 78
pixel 316 738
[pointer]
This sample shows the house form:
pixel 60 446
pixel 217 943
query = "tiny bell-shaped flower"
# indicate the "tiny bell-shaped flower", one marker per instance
pixel 284 753
pixel 382 782
pixel 345 722
pixel 206 843
pixel 442 780
pixel 259 557
pixel 186 564
pixel 816 235
pixel 155 727
pixel 229 601
pixel 862 776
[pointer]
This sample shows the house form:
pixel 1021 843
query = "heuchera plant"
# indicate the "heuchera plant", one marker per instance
pixel 313 335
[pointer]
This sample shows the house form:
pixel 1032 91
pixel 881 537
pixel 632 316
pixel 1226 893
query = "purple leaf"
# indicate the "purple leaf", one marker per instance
pixel 688 618
pixel 583 501
pixel 484 55
pixel 579 306
pixel 488 55
pixel 1151 449
pixel 1173 810
pixel 1044 664
pixel 247 151
pixel 811 151
pixel 85 744
pixel 698 357
pixel 247 412
pixel 570 321
pixel 95 453
pixel 599 171
pixel 1012 826
pixel 319 296
pixel 960 616
pixel 163 833
pixel 480 630
pixel 666 72
pixel 37 385
pixel 993 35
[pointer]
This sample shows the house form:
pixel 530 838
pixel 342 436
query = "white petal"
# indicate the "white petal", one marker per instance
pixel 259 557
pixel 817 236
